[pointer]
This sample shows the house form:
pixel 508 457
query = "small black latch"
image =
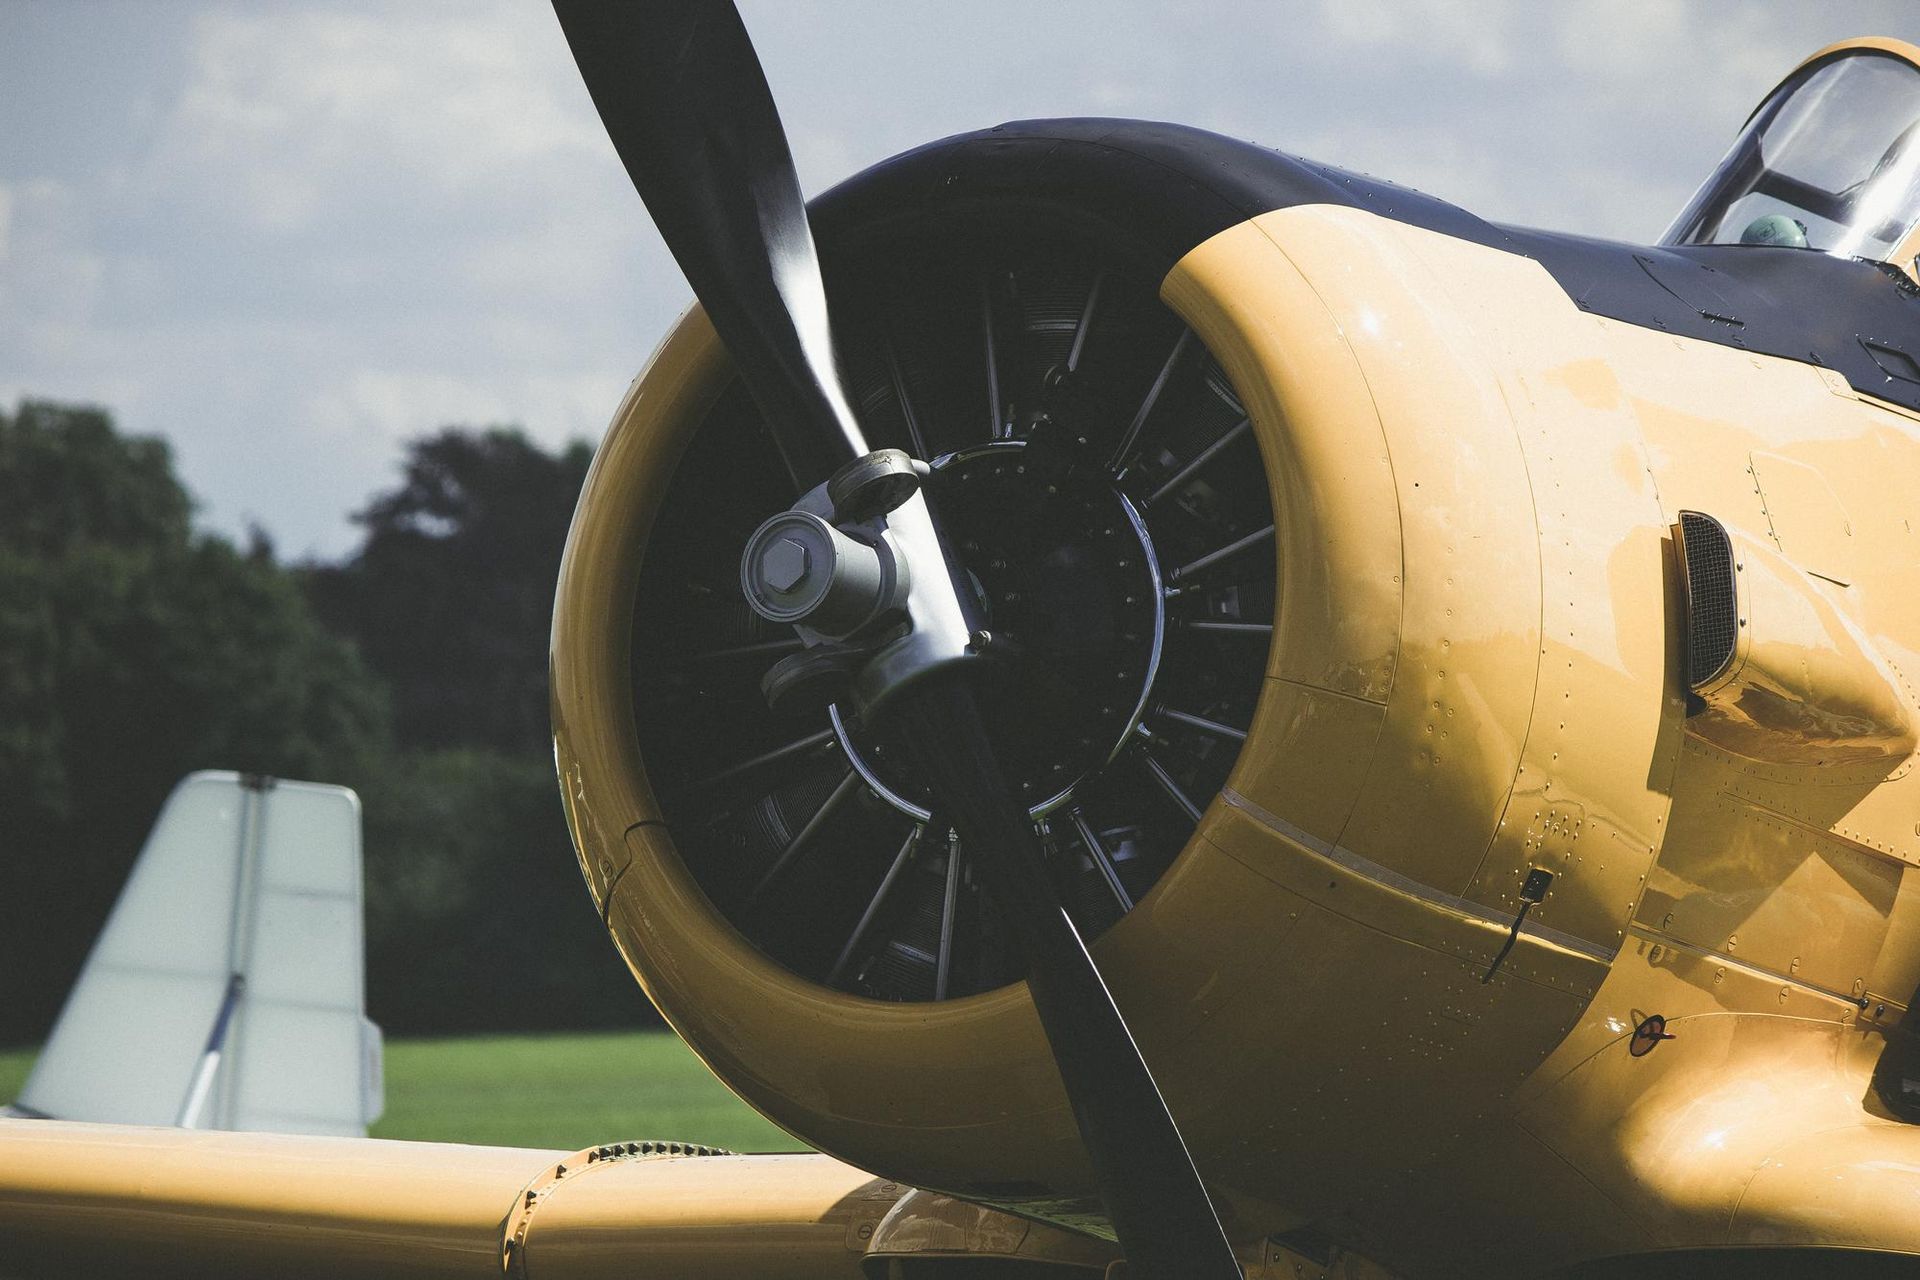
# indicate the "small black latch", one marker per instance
pixel 1647 1036
pixel 1533 891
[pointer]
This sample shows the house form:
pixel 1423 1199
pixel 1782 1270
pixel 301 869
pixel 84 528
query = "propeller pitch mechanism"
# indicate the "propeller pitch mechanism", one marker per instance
pixel 839 567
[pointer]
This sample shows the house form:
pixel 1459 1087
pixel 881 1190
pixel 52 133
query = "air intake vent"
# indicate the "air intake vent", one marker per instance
pixel 1713 616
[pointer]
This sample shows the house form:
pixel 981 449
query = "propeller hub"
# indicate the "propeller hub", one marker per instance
pixel 799 569
pixel 1063 571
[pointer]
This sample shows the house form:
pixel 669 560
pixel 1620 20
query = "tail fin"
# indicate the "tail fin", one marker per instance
pixel 227 990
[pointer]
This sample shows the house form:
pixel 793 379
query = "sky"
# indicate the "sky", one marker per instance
pixel 290 235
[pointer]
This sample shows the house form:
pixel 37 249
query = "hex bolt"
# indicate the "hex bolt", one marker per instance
pixel 797 568
pixel 784 564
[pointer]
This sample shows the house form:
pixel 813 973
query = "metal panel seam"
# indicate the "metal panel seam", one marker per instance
pixel 1387 878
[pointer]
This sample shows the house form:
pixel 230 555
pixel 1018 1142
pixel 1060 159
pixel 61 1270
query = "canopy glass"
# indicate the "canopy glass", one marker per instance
pixel 1830 162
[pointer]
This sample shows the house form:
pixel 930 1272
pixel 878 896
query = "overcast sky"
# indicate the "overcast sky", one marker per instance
pixel 288 235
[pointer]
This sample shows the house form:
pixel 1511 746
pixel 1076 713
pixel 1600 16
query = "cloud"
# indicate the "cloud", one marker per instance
pixel 50 277
pixel 340 228
pixel 283 110
pixel 1474 37
pixel 291 233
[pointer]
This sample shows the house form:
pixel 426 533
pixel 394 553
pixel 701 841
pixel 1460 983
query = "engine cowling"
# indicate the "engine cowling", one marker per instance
pixel 1334 749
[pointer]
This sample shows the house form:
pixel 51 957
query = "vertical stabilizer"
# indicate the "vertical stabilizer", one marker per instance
pixel 227 990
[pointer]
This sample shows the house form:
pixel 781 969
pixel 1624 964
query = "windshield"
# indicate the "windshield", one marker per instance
pixel 1830 162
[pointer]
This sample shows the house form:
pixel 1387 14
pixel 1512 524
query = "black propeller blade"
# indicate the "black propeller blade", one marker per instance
pixel 1153 1195
pixel 683 97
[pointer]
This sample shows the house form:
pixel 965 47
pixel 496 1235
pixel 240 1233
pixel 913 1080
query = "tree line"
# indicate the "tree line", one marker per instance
pixel 135 648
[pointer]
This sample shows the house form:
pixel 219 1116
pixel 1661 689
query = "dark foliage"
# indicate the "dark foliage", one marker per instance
pixel 451 594
pixel 133 650
pixel 476 915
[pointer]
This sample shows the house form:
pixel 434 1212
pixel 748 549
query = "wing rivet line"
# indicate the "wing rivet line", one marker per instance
pixel 513 1234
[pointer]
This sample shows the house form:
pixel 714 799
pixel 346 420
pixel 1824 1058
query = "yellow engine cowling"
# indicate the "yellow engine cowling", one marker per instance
pixel 1473 675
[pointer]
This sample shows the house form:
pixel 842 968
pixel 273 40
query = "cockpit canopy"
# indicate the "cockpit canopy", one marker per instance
pixel 1830 161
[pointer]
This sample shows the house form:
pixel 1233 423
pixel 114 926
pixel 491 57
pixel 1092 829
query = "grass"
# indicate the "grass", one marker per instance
pixel 564 1091
pixel 14 1065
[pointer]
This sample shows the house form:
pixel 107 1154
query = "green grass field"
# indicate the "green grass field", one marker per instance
pixel 566 1091
pixel 14 1065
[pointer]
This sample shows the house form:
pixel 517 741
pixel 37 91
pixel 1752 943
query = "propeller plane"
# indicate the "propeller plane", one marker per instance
pixel 1179 711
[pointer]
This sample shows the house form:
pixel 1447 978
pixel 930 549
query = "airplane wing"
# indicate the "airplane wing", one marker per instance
pixel 92 1199
pixel 89 1199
